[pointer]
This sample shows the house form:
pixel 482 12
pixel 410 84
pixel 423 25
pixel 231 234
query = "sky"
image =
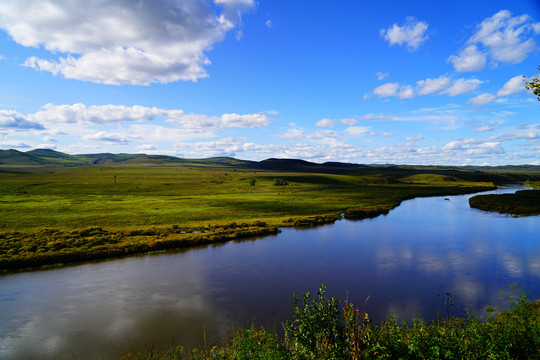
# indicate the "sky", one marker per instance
pixel 370 82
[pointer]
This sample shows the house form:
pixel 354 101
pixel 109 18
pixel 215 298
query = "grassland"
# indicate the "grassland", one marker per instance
pixel 522 203
pixel 68 214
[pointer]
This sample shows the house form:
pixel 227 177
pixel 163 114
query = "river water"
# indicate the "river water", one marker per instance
pixel 406 261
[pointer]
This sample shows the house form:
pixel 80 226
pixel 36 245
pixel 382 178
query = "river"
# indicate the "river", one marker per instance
pixel 406 261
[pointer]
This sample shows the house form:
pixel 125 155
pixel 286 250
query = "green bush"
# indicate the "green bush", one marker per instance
pixel 321 329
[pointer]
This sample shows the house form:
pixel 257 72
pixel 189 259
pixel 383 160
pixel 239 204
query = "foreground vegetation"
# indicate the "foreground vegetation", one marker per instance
pixel 91 212
pixel 323 328
pixel 522 203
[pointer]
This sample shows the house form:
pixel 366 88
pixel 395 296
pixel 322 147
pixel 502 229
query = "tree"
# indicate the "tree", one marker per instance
pixel 280 182
pixel 533 84
pixel 252 181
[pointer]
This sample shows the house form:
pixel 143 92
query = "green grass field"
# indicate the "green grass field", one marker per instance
pixel 136 206
pixel 142 197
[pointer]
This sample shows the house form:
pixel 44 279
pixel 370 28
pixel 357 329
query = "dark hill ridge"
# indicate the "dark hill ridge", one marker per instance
pixel 18 158
pixel 14 161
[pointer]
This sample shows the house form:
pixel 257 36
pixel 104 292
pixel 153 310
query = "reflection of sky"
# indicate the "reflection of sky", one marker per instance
pixel 423 248
pixel 103 309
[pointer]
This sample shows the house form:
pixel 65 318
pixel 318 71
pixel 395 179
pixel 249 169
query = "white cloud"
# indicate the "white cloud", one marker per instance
pixel 357 130
pixel 244 121
pixel 222 147
pixel 481 99
pixel 461 86
pixel 14 144
pixel 414 139
pixel 110 137
pixel 485 128
pixel 50 139
pixel 371 116
pixel 325 123
pixel 146 147
pixel 327 136
pixel 269 24
pixel 386 90
pixel 469 59
pixel 10 119
pixel 116 114
pixel 412 33
pixel 406 92
pixel 348 121
pixel 512 86
pixel 381 75
pixel 441 85
pixel 121 42
pixel 432 86
pixel 293 133
pixel 95 114
pixel 502 37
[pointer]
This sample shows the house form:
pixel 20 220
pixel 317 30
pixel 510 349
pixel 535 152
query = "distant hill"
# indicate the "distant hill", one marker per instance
pixel 18 158
pixel 14 161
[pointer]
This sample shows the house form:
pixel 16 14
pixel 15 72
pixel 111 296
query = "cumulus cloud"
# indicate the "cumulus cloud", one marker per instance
pixel 110 137
pixel 412 33
pixel 503 38
pixel 10 119
pixel 116 114
pixel 244 121
pixel 381 75
pixel 441 85
pixel 122 41
pixel 357 130
pixel 481 99
pixel 325 123
pixel 95 114
pixel 413 139
pixel 394 89
pixel 387 134
pixel 223 147
pixel 432 86
pixel 461 86
pixel 469 59
pixel 512 86
pixel 14 144
pixel 348 121
pixel 297 134
pixel 386 90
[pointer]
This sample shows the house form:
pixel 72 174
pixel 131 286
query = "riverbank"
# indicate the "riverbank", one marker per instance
pixel 324 327
pixel 86 213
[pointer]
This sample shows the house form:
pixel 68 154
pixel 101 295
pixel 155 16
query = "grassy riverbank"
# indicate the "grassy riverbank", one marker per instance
pixel 323 327
pixel 522 203
pixel 91 212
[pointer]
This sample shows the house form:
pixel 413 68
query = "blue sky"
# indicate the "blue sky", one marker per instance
pixel 401 82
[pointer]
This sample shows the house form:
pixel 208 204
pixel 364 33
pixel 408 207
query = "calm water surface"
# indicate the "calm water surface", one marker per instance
pixel 423 248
